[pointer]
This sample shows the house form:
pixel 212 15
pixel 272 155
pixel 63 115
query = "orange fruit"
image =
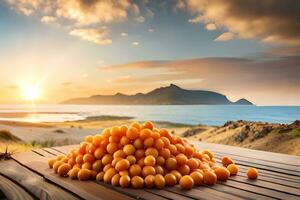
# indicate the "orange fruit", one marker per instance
pixel 135 170
pixel 129 149
pixel 148 170
pixel 209 178
pixel 159 181
pixel 148 125
pixel 123 164
pixel 124 181
pixel 137 182
pixel 252 173
pixel 84 174
pixel 149 160
pixel 64 169
pixel 132 133
pixel 233 169
pixel 197 177
pixel 227 161
pixel 186 182
pixel 51 162
pixel 171 163
pixel 73 173
pixel 99 176
pixel 170 179
pixel 149 181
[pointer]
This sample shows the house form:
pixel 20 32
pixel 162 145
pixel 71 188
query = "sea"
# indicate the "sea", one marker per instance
pixel 189 114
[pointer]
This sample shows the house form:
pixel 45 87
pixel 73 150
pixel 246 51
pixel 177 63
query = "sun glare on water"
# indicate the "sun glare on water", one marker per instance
pixel 30 93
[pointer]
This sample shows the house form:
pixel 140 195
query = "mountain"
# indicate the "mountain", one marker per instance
pixel 170 95
pixel 243 102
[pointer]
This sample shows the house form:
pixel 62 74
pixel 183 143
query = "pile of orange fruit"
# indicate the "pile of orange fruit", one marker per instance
pixel 141 155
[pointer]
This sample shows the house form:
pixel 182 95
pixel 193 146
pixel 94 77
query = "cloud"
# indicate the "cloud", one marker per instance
pixel 140 19
pixel 100 62
pixel 135 9
pixel 30 7
pixel 67 83
pixel 196 20
pixel 271 21
pixel 91 12
pixel 48 19
pixel 210 26
pixel 84 75
pixel 81 16
pixel 26 7
pixel 97 36
pixel 124 34
pixel 281 52
pixel 151 30
pixel 12 87
pixel 225 36
pixel 180 5
pixel 135 43
pixel 268 20
pixel 149 12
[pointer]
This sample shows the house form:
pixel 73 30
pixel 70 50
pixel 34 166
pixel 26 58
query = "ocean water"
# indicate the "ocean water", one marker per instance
pixel 191 114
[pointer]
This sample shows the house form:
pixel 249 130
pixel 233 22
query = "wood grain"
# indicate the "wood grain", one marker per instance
pixel 13 191
pixel 33 183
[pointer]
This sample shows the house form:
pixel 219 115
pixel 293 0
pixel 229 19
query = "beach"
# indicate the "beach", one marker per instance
pixel 258 127
pixel 45 134
pixel 275 137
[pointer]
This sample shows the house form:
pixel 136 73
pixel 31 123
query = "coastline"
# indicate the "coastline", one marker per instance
pixel 281 138
pixel 45 134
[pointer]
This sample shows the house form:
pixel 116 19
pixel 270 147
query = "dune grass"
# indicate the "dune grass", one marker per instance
pixel 52 142
pixel 6 135
pixel 16 145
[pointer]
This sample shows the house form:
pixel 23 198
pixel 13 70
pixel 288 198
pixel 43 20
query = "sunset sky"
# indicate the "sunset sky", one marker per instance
pixel 75 48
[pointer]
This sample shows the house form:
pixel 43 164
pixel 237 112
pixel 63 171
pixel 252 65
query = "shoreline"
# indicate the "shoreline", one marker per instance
pixel 44 134
pixel 276 137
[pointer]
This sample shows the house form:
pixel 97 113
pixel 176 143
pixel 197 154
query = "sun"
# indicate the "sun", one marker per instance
pixel 30 93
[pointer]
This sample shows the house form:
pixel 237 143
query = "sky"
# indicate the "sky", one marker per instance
pixel 61 49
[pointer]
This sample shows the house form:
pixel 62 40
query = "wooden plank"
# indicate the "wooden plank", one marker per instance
pixel 261 155
pixel 86 190
pixel 238 192
pixel 42 152
pixel 260 190
pixel 265 184
pixel 65 149
pixel 272 180
pixel 217 193
pixel 267 173
pixel 130 192
pixel 285 166
pixel 200 193
pixel 32 182
pixel 12 190
pixel 168 194
pixel 267 181
pixel 50 151
pixel 135 193
pixel 268 167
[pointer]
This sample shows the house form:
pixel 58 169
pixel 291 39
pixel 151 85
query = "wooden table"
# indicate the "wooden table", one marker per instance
pixel 27 176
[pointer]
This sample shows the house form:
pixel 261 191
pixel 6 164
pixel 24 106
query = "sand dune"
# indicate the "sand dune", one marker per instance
pixel 281 138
